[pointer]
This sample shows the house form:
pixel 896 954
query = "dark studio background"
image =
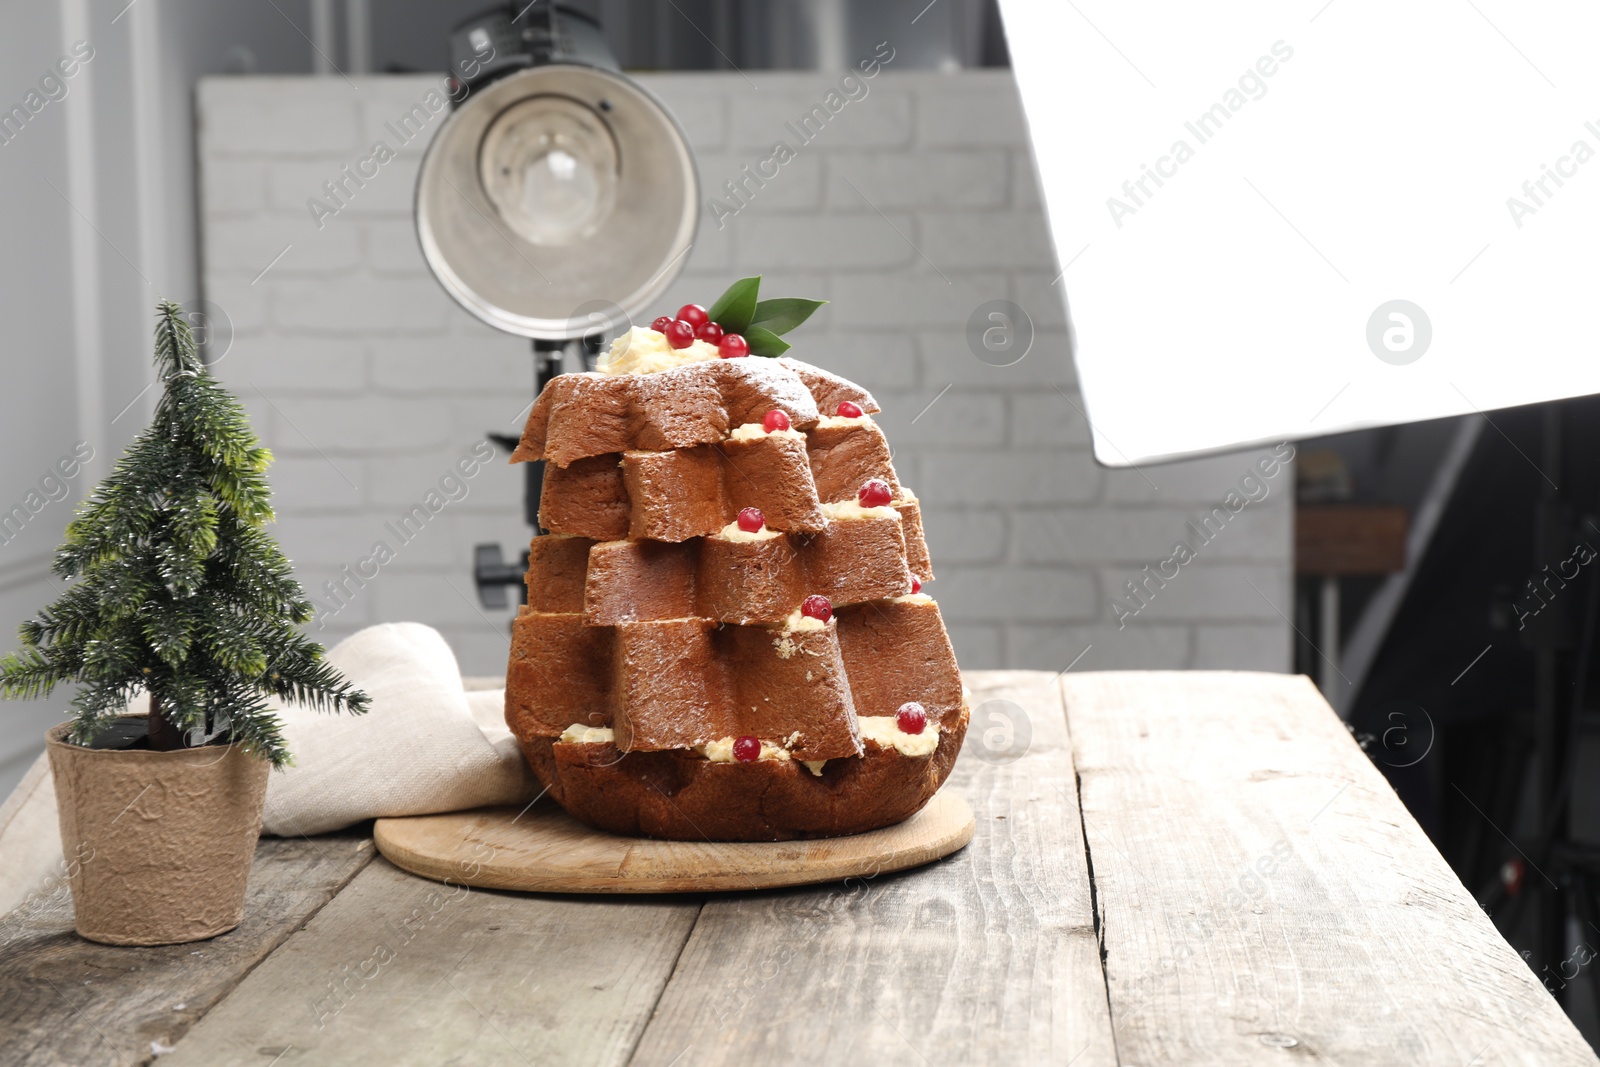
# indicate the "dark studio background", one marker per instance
pixel 1496 761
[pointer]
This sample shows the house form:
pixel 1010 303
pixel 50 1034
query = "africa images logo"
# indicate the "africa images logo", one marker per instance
pixel 1399 332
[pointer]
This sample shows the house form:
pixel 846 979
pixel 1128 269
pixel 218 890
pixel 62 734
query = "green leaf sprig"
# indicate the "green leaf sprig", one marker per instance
pixel 740 310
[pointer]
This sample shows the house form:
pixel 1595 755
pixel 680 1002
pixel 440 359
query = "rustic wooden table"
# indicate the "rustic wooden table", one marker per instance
pixel 1168 869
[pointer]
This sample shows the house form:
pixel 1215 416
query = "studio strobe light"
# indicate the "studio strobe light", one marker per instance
pixel 556 203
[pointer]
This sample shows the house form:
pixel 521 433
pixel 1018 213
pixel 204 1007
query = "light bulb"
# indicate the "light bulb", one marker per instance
pixel 549 165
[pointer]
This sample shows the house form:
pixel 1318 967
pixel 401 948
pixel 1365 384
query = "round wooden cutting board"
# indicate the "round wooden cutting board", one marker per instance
pixel 543 849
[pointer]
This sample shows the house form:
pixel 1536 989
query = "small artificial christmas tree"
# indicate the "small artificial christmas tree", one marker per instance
pixel 176 588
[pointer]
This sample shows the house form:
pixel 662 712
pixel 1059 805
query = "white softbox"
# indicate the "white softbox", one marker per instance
pixel 1280 220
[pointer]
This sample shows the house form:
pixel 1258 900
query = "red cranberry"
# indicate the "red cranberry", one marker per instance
pixel 774 420
pixel 847 410
pixel 661 324
pixel 874 493
pixel 709 332
pixel 732 346
pixel 916 585
pixel 911 718
pixel 694 315
pixel 679 334
pixel 751 520
pixel 747 749
pixel 817 607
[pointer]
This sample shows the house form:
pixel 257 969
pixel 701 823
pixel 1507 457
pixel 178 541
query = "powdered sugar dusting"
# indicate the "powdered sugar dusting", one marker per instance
pixel 772 378
pixel 828 388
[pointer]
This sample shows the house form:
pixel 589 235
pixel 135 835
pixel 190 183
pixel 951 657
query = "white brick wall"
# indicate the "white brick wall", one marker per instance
pixel 369 384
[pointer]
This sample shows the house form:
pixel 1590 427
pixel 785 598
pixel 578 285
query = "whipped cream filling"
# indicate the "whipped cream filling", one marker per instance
pixel 645 351
pixel 579 734
pixel 754 431
pixel 885 730
pixel 731 532
pixel 830 422
pixel 721 751
pixel 912 598
pixel 848 510
pixel 803 624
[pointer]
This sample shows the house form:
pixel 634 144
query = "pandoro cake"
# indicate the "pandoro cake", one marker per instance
pixel 725 636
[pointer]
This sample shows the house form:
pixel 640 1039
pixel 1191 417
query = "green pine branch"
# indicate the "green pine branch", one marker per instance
pixel 174 587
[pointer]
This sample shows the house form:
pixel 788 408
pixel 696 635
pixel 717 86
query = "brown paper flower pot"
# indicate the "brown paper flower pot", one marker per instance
pixel 162 841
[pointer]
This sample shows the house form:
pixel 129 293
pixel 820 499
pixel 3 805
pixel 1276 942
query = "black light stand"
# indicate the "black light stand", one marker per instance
pixel 1566 874
pixel 531 81
pixel 490 571
pixel 1549 635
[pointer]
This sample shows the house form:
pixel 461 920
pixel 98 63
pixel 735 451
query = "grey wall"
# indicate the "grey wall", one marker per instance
pixel 40 412
pixel 915 206
pixel 98 209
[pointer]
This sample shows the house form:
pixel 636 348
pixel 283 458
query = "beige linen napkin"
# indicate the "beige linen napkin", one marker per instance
pixel 419 750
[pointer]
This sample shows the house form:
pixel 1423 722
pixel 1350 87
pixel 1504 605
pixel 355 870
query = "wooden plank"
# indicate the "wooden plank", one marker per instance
pixel 546 850
pixel 400 970
pixel 64 1000
pixel 1261 888
pixel 988 956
